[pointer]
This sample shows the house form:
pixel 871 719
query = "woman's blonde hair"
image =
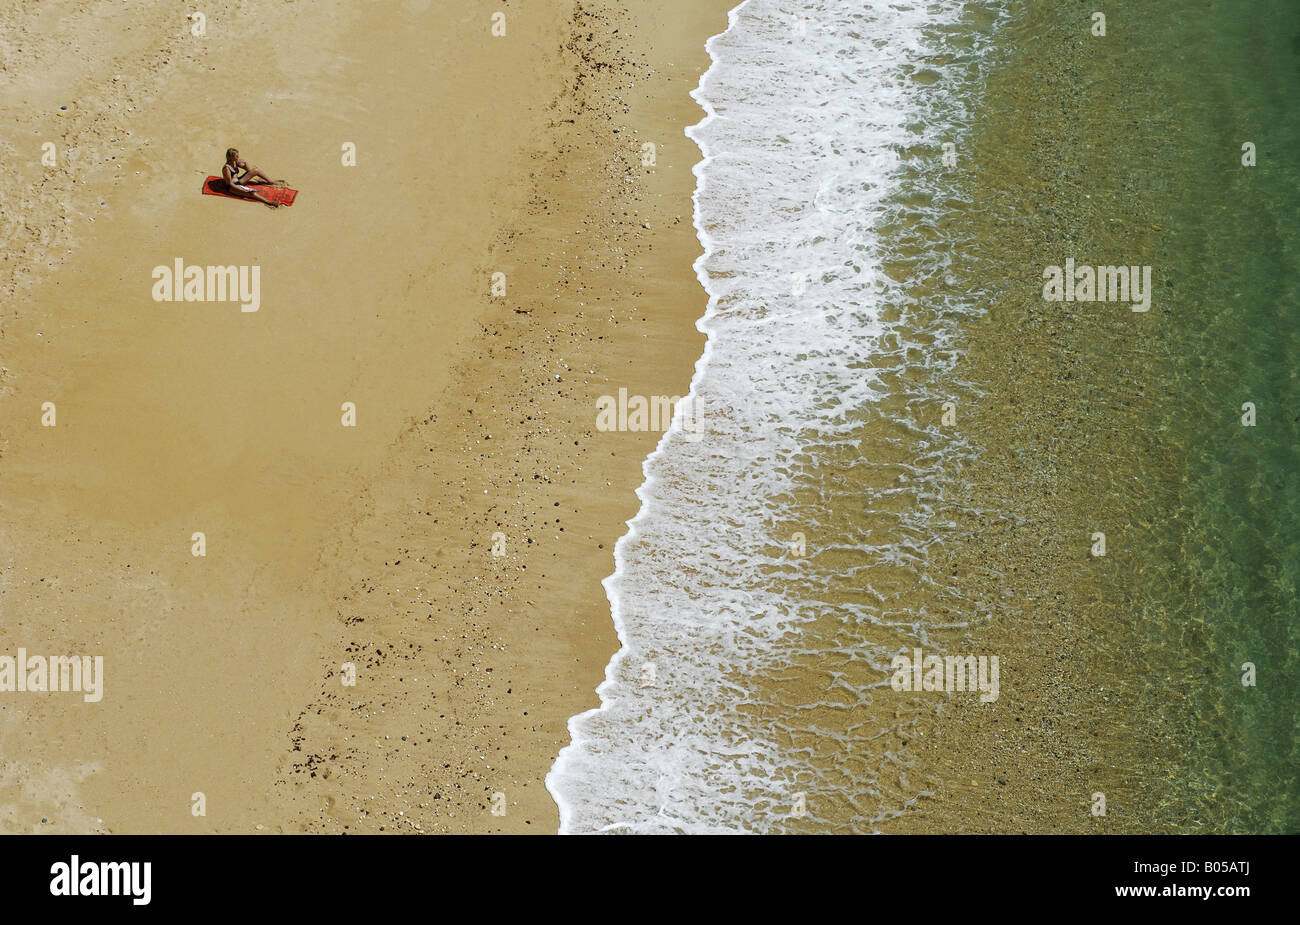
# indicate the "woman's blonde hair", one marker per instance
pixel 231 152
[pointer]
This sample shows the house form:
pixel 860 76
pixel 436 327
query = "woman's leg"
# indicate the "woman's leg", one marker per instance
pixel 254 194
pixel 256 176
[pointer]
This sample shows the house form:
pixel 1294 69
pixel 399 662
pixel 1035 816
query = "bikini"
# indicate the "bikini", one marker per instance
pixel 238 186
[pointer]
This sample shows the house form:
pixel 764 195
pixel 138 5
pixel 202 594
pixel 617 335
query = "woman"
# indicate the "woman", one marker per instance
pixel 240 185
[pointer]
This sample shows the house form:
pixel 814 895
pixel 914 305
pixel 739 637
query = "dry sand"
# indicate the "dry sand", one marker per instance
pixel 328 544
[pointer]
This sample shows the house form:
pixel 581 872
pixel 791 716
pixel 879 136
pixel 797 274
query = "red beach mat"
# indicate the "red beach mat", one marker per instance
pixel 215 186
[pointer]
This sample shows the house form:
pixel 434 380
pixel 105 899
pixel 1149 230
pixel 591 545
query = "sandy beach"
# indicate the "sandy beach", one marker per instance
pixel 326 544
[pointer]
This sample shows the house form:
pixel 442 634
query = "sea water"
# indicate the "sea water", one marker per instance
pixel 779 564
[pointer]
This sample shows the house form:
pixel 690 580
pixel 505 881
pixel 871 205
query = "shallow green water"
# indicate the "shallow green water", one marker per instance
pixel 1130 152
pixel 1230 73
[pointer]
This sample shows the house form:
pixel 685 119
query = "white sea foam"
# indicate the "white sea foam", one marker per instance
pixel 821 176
